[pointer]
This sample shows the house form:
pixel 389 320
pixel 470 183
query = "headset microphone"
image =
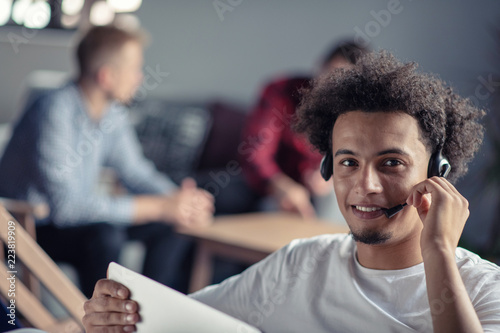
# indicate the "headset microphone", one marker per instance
pixel 390 212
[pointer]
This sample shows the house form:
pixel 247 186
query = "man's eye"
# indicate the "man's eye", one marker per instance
pixel 348 163
pixel 392 163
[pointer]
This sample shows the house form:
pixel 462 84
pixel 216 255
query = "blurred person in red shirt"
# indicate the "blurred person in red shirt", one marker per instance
pixel 277 162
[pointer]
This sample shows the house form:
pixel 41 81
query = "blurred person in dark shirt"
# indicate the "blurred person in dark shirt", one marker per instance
pixel 278 163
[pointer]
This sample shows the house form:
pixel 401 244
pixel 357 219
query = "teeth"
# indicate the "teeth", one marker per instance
pixel 367 209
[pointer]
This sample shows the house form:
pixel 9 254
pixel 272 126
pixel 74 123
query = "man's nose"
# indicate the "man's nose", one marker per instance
pixel 368 181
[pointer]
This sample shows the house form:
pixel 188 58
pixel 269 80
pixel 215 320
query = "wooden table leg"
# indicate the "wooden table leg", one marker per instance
pixel 202 267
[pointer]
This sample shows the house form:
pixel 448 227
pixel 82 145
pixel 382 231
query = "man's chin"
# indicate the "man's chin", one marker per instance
pixel 371 237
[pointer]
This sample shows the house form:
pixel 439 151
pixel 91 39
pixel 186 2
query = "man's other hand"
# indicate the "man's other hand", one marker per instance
pixel 110 310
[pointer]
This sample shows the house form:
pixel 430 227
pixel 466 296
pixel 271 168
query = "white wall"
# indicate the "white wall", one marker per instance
pixel 207 57
pixel 230 58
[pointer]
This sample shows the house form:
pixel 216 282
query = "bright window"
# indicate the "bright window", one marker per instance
pixel 5 10
pixel 64 14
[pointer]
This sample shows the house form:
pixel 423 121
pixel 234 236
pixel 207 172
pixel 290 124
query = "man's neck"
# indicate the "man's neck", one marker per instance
pixel 96 100
pixel 403 254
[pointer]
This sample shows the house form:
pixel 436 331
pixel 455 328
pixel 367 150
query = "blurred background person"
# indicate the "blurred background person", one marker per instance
pixel 278 163
pixel 57 152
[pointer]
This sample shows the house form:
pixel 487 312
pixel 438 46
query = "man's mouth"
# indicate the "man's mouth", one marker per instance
pixel 367 212
pixel 367 209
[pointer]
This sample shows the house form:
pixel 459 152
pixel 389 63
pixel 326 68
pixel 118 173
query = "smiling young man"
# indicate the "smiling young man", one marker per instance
pixel 385 126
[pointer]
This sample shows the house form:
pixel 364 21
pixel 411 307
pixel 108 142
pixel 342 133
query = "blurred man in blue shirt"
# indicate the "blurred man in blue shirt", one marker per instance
pixel 59 147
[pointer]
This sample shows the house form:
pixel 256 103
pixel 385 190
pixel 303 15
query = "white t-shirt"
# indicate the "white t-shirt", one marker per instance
pixel 317 285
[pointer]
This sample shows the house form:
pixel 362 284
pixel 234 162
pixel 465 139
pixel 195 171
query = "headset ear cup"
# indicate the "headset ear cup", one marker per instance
pixel 326 168
pixel 438 165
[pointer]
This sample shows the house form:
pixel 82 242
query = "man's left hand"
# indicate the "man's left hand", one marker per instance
pixel 443 211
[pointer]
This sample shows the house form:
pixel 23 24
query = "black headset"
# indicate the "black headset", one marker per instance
pixel 438 165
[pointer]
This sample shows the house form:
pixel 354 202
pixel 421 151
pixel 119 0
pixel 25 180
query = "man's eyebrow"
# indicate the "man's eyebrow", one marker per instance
pixel 393 151
pixel 344 152
pixel 383 152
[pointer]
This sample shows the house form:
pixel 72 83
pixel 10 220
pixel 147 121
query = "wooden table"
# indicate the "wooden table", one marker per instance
pixel 249 238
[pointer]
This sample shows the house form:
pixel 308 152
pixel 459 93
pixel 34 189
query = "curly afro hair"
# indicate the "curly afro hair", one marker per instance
pixel 380 82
